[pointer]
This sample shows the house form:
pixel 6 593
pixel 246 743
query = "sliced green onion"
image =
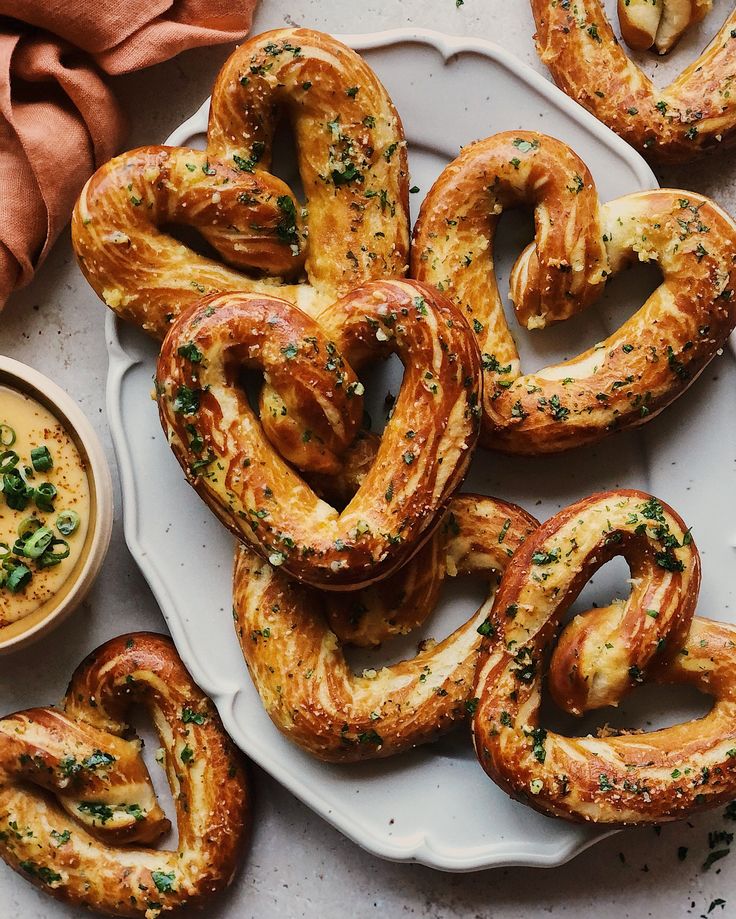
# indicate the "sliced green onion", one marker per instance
pixel 67 522
pixel 8 460
pixel 27 526
pixel 41 459
pixel 18 577
pixel 44 496
pixel 17 493
pixel 37 543
pixel 7 435
pixel 4 550
pixel 50 558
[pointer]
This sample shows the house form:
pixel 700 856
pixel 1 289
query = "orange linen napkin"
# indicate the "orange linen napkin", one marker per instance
pixel 59 119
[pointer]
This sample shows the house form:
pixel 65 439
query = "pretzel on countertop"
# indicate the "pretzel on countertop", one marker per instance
pixel 353 167
pixel 631 778
pixel 659 23
pixel 311 411
pixel 695 114
pixel 72 789
pixel 639 369
pixel 299 669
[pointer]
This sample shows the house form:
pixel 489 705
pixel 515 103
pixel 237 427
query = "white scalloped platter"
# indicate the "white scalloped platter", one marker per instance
pixel 435 805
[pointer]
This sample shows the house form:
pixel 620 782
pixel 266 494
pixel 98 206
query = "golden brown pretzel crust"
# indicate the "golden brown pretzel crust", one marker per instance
pixel 353 167
pixel 71 787
pixel 652 358
pixel 350 145
pixel 695 114
pixel 423 455
pixel 632 778
pixel 299 670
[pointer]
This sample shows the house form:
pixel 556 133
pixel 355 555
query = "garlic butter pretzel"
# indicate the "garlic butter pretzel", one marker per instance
pixel 311 410
pixel 639 369
pixel 629 778
pixel 353 167
pixel 299 670
pixel 72 788
pixel 695 114
pixel 660 24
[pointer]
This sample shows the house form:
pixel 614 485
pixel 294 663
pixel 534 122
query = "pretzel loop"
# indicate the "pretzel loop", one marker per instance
pixel 422 456
pixel 352 162
pixel 104 795
pixel 142 272
pixel 695 114
pixel 639 369
pixel 350 143
pixel 602 654
pixel 301 674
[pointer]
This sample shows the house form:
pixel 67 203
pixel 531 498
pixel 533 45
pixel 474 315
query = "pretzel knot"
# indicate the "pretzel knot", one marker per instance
pixel 353 168
pixel 639 369
pixel 298 666
pixel 661 25
pixel 72 788
pixel 693 115
pixel 312 408
pixel 631 778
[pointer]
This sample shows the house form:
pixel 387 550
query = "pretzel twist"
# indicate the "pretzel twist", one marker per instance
pixel 695 114
pixel 353 168
pixel 72 788
pixel 315 402
pixel 635 777
pixel 298 667
pixel 638 370
pixel 660 25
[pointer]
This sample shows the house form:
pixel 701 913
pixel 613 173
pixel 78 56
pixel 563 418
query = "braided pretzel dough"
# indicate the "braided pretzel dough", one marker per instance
pixel 353 167
pixel 314 408
pixel 299 670
pixel 661 23
pixel 631 778
pixel 101 794
pixel 638 370
pixel 695 114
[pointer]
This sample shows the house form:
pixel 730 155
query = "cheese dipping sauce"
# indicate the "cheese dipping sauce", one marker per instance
pixel 35 427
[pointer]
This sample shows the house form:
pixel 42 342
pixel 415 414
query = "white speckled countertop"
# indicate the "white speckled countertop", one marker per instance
pixel 297 865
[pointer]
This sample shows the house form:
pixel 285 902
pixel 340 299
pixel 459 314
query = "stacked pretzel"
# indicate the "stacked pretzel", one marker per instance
pixel 345 537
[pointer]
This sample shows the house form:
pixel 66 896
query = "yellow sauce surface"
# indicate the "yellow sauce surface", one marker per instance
pixel 34 426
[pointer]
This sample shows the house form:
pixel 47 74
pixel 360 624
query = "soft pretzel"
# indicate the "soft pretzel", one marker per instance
pixel 304 681
pixel 626 778
pixel 695 114
pixel 659 23
pixel 72 788
pixel 638 370
pixel 353 168
pixel 312 409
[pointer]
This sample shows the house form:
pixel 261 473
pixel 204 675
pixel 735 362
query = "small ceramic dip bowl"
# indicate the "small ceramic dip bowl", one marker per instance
pixel 55 505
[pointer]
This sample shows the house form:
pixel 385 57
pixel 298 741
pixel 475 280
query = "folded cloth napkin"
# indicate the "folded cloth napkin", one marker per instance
pixel 59 119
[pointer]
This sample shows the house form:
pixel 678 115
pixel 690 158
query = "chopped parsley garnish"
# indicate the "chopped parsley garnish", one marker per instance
pixel 164 880
pixel 96 809
pixel 287 229
pixel 190 716
pixel 186 400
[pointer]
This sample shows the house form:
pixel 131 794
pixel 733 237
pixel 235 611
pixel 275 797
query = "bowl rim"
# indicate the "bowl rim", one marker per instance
pixel 35 384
